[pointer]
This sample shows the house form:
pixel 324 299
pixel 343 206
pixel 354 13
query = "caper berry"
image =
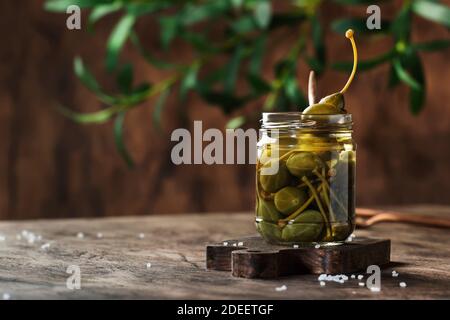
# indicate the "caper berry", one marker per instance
pixel 267 211
pixel 303 163
pixel 269 231
pixel 307 227
pixel 274 182
pixel 289 199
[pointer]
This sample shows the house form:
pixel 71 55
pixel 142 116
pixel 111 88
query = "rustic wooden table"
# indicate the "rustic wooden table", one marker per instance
pixel 113 264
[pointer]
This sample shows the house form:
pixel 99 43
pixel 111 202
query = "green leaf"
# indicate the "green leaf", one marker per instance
pixel 431 45
pixel 433 11
pixel 417 96
pixel 158 63
pixel 257 55
pixel 227 102
pixel 318 42
pixel 159 106
pixel 125 78
pixel 243 25
pixel 364 65
pixel 358 25
pixel 401 26
pixel 393 78
pixel 236 122
pixel 117 39
pixel 88 79
pixel 119 140
pixel 169 28
pixel 358 2
pixel 293 93
pixel 258 84
pixel 232 70
pixel 189 80
pixel 89 118
pixel 263 13
pixel 404 76
pixel 101 11
pixel 62 5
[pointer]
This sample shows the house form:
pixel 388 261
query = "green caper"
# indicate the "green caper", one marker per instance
pixel 267 211
pixel 269 231
pixel 289 199
pixel 269 153
pixel 307 227
pixel 274 182
pixel 303 163
pixel 322 108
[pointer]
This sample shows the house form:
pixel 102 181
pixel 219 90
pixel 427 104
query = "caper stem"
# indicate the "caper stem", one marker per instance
pixel 319 203
pixel 325 193
pixel 332 194
pixel 349 34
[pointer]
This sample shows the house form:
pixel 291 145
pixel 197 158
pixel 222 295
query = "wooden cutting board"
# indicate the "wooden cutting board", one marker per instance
pixel 252 257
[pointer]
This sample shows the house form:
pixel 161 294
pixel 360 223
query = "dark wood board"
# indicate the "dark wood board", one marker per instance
pixel 256 258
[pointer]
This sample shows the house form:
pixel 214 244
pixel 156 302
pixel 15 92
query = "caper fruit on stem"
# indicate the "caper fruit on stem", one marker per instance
pixel 274 182
pixel 334 103
pixel 289 199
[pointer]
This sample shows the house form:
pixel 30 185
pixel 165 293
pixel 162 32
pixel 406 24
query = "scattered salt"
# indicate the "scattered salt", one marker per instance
pixel 6 296
pixel 322 283
pixel 360 277
pixel 402 284
pixel 353 276
pixel 361 284
pixel 375 289
pixel 141 236
pixel 282 288
pixel 99 235
pixel 234 244
pixel 45 246
pixel 395 274
pixel 240 244
pixel 317 246
pixel 149 265
pixel 80 235
pixel 295 246
pixel 225 243
pixel 2 238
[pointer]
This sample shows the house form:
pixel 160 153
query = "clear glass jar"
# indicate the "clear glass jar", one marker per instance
pixel 305 178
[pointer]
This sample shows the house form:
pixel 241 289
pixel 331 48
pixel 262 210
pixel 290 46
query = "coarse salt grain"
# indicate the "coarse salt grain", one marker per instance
pixel 353 276
pixel 2 238
pixel 240 244
pixel 6 296
pixel 45 246
pixel 361 284
pixel 141 236
pixel 360 277
pixel 149 265
pixel 234 244
pixel 402 284
pixel 225 243
pixel 317 246
pixel 395 274
pixel 282 288
pixel 80 235
pixel 322 283
pixel 375 289
pixel 295 246
pixel 99 235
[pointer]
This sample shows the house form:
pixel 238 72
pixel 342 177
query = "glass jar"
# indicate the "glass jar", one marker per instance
pixel 305 178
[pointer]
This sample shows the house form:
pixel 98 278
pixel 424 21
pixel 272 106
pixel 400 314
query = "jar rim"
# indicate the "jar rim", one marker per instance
pixel 298 120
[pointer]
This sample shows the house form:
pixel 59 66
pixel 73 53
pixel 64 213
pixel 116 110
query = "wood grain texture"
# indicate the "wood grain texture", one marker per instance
pixel 114 266
pixel 256 259
pixel 51 167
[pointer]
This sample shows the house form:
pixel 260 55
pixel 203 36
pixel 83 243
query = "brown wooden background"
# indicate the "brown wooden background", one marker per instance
pixel 51 167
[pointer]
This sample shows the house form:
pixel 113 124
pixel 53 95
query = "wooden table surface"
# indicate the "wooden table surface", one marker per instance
pixel 114 265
